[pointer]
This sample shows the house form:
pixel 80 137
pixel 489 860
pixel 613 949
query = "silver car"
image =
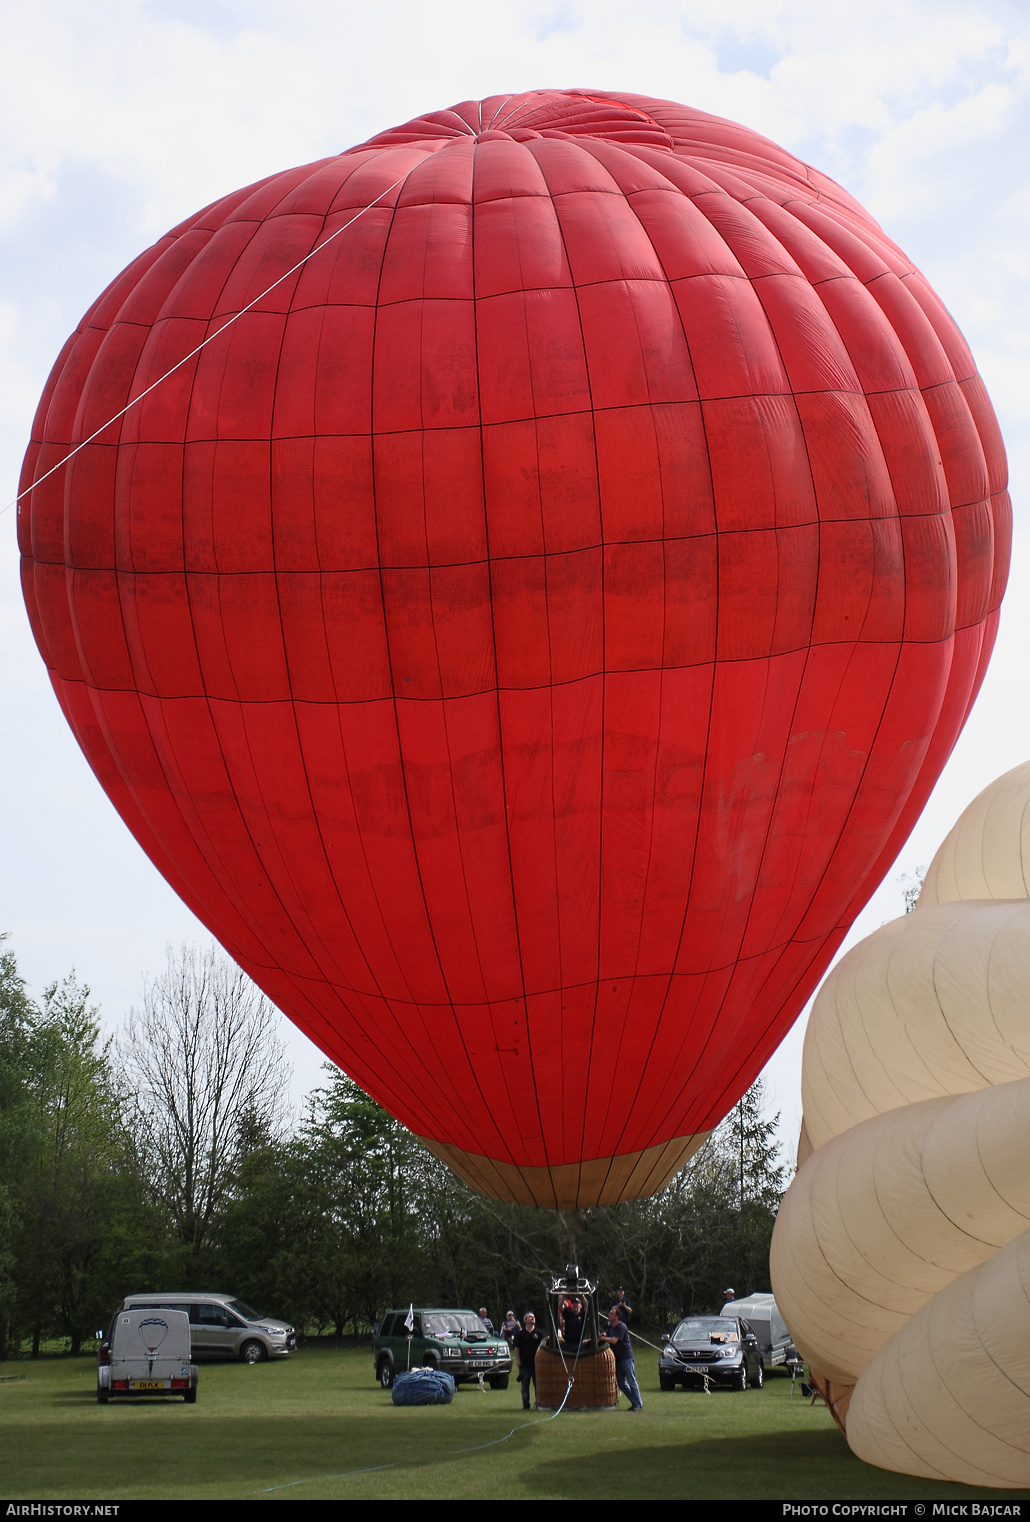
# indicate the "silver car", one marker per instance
pixel 222 1326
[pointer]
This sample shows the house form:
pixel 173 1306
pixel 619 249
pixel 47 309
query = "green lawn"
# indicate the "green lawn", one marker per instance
pixel 317 1426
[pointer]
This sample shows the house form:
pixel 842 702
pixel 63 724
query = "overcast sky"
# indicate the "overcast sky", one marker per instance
pixel 119 118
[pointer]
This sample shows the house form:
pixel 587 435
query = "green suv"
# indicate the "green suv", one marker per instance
pixel 455 1341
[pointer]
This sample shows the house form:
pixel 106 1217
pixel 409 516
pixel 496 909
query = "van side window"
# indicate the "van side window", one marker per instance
pixel 386 1330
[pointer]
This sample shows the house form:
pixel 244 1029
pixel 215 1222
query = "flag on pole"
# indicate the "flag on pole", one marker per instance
pixel 409 1320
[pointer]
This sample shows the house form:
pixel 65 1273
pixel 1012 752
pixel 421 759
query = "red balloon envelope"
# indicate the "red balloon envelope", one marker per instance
pixel 527 634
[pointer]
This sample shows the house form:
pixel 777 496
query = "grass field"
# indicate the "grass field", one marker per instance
pixel 317 1426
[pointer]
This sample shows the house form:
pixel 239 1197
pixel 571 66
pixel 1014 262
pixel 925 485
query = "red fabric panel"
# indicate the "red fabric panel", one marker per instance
pixel 528 633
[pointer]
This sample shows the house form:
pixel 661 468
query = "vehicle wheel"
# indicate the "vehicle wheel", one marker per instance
pixel 742 1378
pixel 386 1374
pixel 252 1352
pixel 103 1396
pixel 759 1379
pixel 667 1381
pixel 499 1381
pixel 191 1396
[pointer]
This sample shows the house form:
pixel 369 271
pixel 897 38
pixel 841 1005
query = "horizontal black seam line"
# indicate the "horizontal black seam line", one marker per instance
pixel 528 993
pixel 666 282
pixel 475 692
pixel 669 189
pixel 485 423
pixel 444 565
pixel 526 558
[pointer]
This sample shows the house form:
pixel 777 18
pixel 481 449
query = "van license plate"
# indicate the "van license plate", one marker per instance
pixel 147 1384
pixel 480 1363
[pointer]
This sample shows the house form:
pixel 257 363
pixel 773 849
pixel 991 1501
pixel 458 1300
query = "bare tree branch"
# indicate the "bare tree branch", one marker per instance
pixel 208 1077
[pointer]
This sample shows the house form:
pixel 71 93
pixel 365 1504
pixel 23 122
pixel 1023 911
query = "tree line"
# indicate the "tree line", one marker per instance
pixel 165 1159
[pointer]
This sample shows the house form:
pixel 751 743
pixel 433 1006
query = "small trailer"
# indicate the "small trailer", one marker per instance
pixel 761 1314
pixel 147 1352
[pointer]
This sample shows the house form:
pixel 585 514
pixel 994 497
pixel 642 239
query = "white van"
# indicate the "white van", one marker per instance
pixel 147 1352
pixel 222 1326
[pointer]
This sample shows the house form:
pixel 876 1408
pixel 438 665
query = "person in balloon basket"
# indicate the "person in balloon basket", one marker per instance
pixel 524 1345
pixel 572 1323
pixel 622 1305
pixel 617 1338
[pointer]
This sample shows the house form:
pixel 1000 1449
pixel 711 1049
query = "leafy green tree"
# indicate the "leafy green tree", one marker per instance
pixel 72 1159
pixel 16 1125
pixel 366 1200
pixel 752 1141
pixel 330 1225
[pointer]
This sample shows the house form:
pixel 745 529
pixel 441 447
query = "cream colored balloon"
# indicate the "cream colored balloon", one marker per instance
pixel 882 1218
pixel 948 1396
pixel 987 853
pixel 901 1255
pixel 934 1003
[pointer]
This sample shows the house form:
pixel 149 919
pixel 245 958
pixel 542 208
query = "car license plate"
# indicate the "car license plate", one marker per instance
pixel 147 1384
pixel 479 1363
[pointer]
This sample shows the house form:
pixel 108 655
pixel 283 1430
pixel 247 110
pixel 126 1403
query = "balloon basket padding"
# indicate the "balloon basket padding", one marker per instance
pixel 593 1375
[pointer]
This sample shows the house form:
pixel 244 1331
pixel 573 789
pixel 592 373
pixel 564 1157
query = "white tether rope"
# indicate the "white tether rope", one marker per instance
pixel 202 345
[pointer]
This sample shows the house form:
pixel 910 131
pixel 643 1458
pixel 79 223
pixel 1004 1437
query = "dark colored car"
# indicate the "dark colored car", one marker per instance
pixel 720 1349
pixel 456 1341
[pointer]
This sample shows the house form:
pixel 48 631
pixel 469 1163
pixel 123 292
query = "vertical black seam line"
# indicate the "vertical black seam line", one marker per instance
pixel 387 1000
pixel 779 546
pixel 429 568
pixel 588 1083
pixel 902 644
pixel 114 419
pixel 628 198
pixel 445 708
pixel 393 682
pixel 275 848
pixel 317 958
pixel 222 876
pixel 417 1004
pixel 713 666
pixel 745 1064
pixel 291 976
pixel 116 447
pixel 898 518
pixel 340 705
pixel 586 145
pixel 446 705
pixel 526 1036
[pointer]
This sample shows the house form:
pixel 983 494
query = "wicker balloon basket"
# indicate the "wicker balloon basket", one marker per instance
pixel 593 1389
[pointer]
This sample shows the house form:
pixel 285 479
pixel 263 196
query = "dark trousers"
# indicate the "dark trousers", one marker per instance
pixel 525 1375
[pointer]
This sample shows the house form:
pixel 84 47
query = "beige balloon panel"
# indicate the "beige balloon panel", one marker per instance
pixel 901 1256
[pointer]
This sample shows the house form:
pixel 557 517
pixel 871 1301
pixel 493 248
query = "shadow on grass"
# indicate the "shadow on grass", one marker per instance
pixel 781 1466
pixel 80 1398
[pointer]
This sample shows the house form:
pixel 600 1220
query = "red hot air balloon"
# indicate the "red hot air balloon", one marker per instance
pixel 526 635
